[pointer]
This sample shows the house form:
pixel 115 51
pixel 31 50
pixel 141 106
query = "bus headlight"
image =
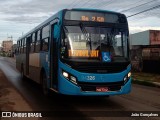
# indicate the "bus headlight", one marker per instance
pixel 129 74
pixel 65 74
pixel 127 77
pixel 69 77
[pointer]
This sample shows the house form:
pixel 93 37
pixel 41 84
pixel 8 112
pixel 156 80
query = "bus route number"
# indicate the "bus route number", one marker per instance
pixel 93 18
pixel 98 19
pixel 90 77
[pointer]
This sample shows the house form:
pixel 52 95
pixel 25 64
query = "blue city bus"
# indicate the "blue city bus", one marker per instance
pixel 82 52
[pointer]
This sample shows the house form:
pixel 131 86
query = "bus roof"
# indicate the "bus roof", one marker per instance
pixel 94 10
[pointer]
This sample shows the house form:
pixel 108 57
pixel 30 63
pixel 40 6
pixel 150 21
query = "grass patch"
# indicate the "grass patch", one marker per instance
pixel 142 82
pixel 149 77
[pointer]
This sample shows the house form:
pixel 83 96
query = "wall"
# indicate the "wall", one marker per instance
pixel 154 37
pixel 141 38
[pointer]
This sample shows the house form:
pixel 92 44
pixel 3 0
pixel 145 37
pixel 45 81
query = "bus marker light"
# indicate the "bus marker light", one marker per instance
pixel 125 79
pixel 74 82
pixel 73 78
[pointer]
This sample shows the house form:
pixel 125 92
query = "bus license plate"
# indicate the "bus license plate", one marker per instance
pixel 102 89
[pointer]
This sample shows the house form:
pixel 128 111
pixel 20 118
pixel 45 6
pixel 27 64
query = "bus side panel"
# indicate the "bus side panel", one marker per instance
pixel 34 67
pixel 44 61
pixel 20 60
pixel 18 64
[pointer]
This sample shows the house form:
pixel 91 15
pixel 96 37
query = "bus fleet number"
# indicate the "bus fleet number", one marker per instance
pixel 90 77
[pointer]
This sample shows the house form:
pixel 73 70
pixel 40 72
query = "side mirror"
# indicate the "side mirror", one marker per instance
pixel 56 31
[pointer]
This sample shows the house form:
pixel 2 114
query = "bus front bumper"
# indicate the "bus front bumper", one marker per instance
pixel 68 88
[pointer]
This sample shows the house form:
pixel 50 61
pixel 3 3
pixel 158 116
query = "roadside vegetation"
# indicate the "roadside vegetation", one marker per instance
pixel 147 79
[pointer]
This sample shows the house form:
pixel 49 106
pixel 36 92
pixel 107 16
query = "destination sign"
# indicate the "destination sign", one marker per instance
pixel 83 53
pixel 91 16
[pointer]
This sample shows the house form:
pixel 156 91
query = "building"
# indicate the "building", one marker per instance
pixel 7 45
pixel 149 37
pixel 0 48
pixel 145 50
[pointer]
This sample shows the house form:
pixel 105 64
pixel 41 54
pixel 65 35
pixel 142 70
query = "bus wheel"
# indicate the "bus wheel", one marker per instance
pixel 45 89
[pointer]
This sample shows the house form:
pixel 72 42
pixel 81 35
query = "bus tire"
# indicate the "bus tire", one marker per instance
pixel 45 89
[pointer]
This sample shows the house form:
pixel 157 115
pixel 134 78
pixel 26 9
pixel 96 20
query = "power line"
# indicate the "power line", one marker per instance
pixel 155 7
pixel 78 1
pixel 101 4
pixel 85 3
pixel 133 4
pixel 144 16
pixel 138 6
pixel 92 4
pixel 108 3
pixel 98 5
pixel 72 3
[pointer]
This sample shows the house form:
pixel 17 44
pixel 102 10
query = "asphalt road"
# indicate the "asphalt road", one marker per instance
pixel 142 98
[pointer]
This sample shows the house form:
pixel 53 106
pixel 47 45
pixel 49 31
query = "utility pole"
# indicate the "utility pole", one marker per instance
pixel 11 38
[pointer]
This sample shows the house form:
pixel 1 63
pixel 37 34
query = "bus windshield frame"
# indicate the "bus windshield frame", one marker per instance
pixel 116 24
pixel 89 53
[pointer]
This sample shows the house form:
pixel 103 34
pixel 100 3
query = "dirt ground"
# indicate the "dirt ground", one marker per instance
pixel 11 100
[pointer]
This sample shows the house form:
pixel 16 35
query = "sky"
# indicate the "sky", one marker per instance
pixel 19 16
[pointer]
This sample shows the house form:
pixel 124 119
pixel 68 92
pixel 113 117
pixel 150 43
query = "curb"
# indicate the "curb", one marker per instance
pixel 146 83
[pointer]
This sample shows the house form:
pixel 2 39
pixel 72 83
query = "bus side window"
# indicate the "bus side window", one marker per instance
pixel 17 47
pixel 24 45
pixel 21 45
pixel 35 41
pixel 32 45
pixel 45 38
pixel 38 42
pixel 45 44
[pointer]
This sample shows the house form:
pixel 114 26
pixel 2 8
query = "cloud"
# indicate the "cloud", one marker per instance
pixel 23 15
pixel 140 29
pixel 29 10
pixel 21 8
pixel 28 19
pixel 144 21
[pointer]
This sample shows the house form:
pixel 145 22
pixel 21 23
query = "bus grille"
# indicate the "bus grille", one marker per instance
pixel 101 68
pixel 112 86
pixel 97 67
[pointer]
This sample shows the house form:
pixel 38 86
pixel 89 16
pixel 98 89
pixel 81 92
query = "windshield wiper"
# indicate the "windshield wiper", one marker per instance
pixel 84 31
pixel 65 29
pixel 109 42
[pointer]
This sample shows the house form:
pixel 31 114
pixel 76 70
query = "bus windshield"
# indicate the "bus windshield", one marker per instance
pixel 88 43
